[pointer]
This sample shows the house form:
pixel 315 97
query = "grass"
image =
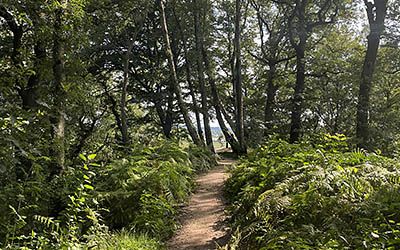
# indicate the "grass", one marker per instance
pixel 125 240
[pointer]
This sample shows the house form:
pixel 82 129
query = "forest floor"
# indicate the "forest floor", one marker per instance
pixel 203 219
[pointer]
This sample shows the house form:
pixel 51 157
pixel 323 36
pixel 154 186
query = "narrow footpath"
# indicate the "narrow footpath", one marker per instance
pixel 203 225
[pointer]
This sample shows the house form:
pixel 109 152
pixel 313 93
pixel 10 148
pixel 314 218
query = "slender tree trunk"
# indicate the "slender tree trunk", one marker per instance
pixel 17 31
pixel 165 118
pixel 169 114
pixel 229 136
pixel 192 88
pixel 58 119
pixel 174 79
pixel 229 120
pixel 194 100
pixel 376 16
pixel 200 69
pixel 113 106
pixel 270 99
pixel 125 140
pixel 297 101
pixel 124 118
pixel 233 99
pixel 300 48
pixel 238 81
pixel 192 91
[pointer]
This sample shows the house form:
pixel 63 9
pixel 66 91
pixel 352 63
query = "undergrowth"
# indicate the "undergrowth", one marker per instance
pixel 315 195
pixel 84 207
pixel 142 192
pixel 125 240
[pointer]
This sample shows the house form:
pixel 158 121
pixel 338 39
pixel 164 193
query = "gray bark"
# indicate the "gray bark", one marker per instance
pixel 376 12
pixel 174 79
pixel 200 70
pixel 238 81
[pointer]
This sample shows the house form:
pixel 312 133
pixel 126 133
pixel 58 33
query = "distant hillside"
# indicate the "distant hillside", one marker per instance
pixel 216 131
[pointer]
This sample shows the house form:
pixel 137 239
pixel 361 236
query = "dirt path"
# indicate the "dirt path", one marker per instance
pixel 202 220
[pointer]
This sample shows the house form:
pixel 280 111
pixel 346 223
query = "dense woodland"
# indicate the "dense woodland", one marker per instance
pixel 109 109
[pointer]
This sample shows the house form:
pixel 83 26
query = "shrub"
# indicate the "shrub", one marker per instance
pixel 73 221
pixel 140 193
pixel 315 195
pixel 143 191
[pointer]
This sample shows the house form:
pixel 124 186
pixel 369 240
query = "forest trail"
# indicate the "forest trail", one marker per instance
pixel 203 225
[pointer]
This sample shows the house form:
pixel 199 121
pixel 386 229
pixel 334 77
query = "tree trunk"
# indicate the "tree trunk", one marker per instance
pixel 229 136
pixel 300 48
pixel 17 31
pixel 238 82
pixel 200 69
pixel 297 101
pixel 166 118
pixel 194 100
pixel 124 118
pixel 270 99
pixel 29 94
pixel 58 119
pixel 174 79
pixel 376 16
pixel 192 91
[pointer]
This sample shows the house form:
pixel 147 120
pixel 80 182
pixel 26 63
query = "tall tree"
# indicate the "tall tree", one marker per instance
pixel 174 79
pixel 188 73
pixel 238 80
pixel 200 71
pixel 273 51
pixel 129 46
pixel 124 118
pixel 376 12
pixel 58 115
pixel 219 109
pixel 304 16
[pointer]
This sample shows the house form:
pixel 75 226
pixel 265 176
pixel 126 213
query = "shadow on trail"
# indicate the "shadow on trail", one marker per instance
pixel 203 220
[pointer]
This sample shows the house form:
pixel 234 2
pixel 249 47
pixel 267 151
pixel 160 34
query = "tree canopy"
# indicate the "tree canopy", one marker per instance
pixel 117 79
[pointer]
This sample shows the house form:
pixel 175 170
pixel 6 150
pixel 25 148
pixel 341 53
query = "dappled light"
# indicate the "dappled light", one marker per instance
pixel 200 124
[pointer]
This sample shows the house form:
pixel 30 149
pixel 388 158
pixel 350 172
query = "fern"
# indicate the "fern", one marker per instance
pixel 315 196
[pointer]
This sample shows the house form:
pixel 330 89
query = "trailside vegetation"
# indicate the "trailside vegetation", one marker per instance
pixel 139 194
pixel 108 109
pixel 317 194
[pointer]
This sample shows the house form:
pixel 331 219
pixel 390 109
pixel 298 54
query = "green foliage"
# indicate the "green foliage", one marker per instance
pixel 143 191
pixel 315 195
pixel 140 192
pixel 32 228
pixel 125 240
pixel 201 158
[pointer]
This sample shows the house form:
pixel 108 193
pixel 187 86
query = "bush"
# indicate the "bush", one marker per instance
pixel 142 192
pixel 315 195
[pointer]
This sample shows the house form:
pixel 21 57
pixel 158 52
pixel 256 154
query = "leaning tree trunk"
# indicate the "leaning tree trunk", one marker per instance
pixel 196 108
pixel 57 117
pixel 229 136
pixel 376 16
pixel 174 79
pixel 238 82
pixel 200 71
pixel 189 81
